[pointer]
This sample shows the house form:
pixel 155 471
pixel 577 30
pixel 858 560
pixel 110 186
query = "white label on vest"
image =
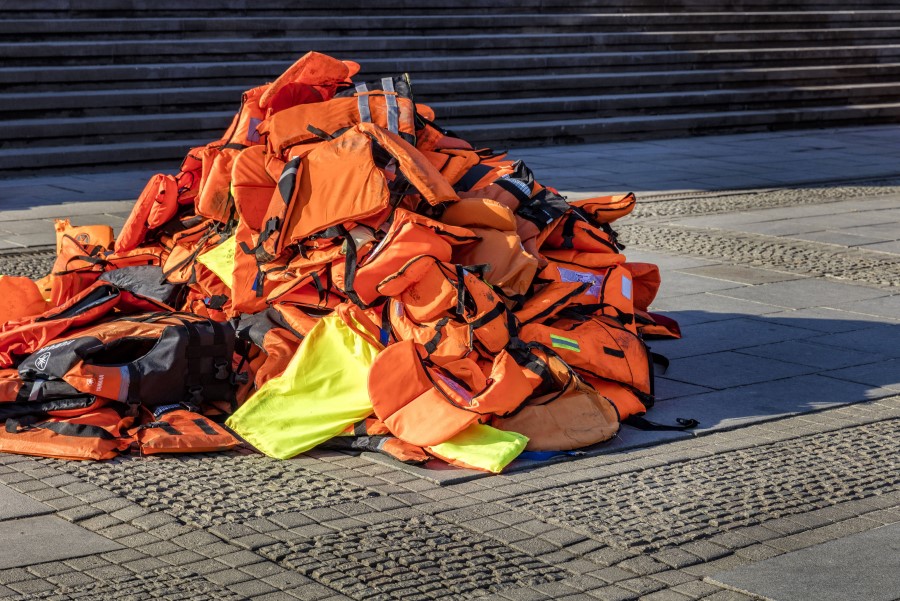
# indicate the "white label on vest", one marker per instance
pixel 583 277
pixel 626 286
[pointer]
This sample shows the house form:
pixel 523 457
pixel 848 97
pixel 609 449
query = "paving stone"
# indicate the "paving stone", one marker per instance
pixel 696 589
pixel 17 505
pixel 730 369
pixel 682 504
pixel 727 335
pixel 152 585
pixel 725 409
pixel 216 488
pixel 642 586
pixel 665 596
pixel 251 588
pixel 372 558
pixel 44 538
pixel 812 354
pixel 884 374
pixel 824 572
pixel 614 593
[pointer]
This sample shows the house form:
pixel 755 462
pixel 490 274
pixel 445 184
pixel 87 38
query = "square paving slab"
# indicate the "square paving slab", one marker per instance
pixel 45 538
pixel 862 566
pixel 16 505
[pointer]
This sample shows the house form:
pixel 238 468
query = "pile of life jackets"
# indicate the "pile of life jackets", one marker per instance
pixel 336 271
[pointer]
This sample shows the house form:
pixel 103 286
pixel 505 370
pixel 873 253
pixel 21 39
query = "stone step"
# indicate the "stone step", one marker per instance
pixel 201 8
pixel 577 131
pixel 458 115
pixel 209 125
pixel 106 129
pixel 251 73
pixel 211 98
pixel 23 161
pixel 19 162
pixel 477 44
pixel 29 30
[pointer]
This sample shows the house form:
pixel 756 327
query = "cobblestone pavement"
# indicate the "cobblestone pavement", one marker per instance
pixel 617 526
pixel 788 300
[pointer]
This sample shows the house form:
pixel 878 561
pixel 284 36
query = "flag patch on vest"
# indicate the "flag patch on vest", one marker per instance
pixel 564 343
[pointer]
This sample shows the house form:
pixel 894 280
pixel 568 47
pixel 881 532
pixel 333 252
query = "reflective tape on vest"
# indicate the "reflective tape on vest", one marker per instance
pixel 586 277
pixel 564 343
pixel 393 109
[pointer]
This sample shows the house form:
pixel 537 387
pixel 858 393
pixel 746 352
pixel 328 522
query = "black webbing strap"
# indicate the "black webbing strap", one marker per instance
pixel 15 426
pixel 351 264
pixel 164 426
pixel 471 177
pixel 643 424
pixel 319 133
pixel 660 360
pixel 488 317
pixel 568 231
pixel 201 423
pixel 432 344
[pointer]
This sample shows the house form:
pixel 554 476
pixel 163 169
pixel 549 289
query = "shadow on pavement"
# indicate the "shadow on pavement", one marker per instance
pixel 744 370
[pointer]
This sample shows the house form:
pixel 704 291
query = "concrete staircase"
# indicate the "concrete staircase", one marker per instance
pixel 94 84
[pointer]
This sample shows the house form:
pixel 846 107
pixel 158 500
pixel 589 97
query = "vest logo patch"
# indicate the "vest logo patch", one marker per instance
pixel 562 342
pixel 41 362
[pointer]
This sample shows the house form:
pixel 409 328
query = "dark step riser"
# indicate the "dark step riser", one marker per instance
pixel 688 127
pixel 132 52
pixel 115 8
pixel 156 101
pixel 22 135
pixel 31 80
pixel 500 137
pixel 136 29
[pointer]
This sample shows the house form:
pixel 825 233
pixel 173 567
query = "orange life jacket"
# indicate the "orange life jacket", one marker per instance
pixel 599 347
pixel 646 280
pixel 253 185
pixel 179 428
pixel 577 230
pixel 156 204
pixel 610 290
pixel 431 290
pixel 99 434
pixel 23 337
pixel 606 209
pixel 426 405
pixel 20 298
pixel 20 397
pixel 344 182
pixel 319 71
pixel 372 435
pixel 573 417
pixel 214 195
pixel 548 300
pixel 151 359
pixel 387 103
pixel 410 235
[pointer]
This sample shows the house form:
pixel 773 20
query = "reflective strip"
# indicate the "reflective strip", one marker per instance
pixel 36 389
pixel 287 179
pixel 393 109
pixel 362 100
pixel 626 287
pixel 124 384
pixel 564 343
